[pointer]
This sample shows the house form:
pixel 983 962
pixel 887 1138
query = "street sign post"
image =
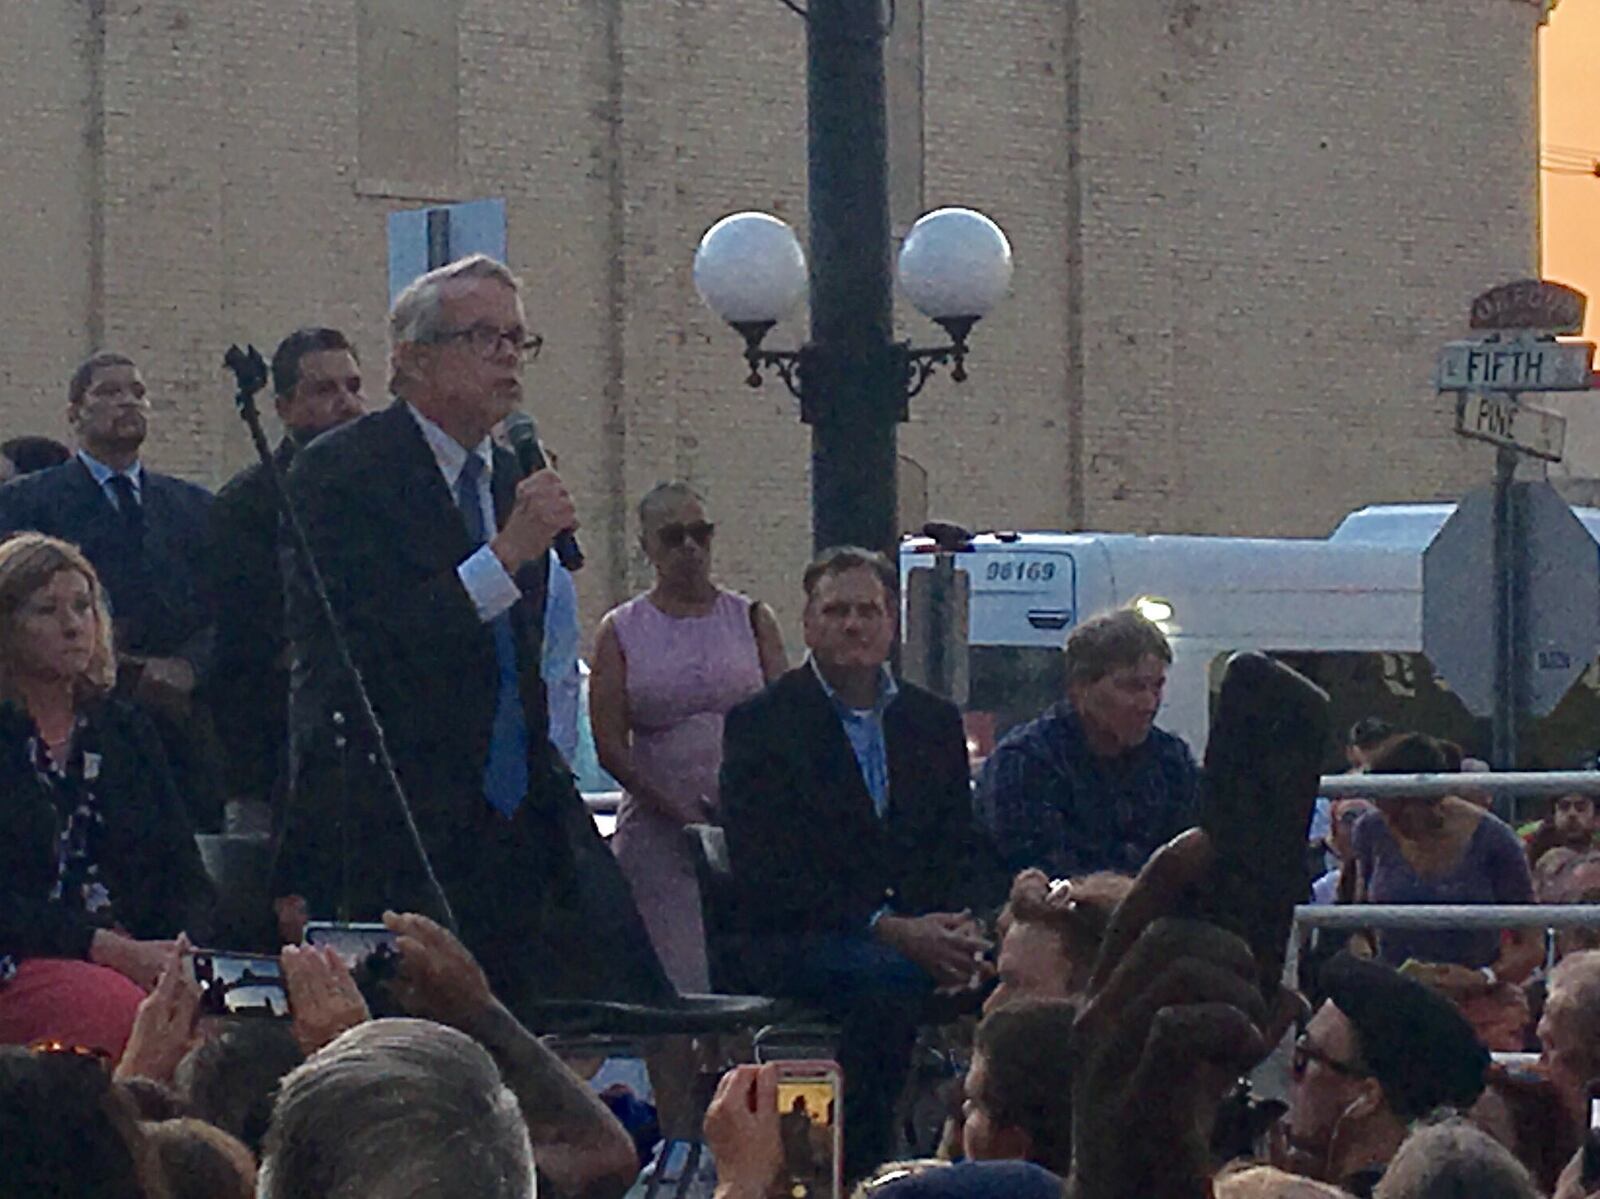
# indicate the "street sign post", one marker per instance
pixel 1504 421
pixel 1519 543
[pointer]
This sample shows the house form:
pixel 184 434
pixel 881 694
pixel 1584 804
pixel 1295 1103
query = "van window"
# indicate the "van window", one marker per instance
pixel 1010 684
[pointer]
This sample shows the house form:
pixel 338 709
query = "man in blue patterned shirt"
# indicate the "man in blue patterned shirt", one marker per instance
pixel 1092 784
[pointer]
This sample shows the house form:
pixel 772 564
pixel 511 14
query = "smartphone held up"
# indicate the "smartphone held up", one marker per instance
pixel 811 1129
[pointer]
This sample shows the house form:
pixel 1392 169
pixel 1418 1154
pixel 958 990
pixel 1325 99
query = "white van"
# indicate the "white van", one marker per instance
pixel 1345 610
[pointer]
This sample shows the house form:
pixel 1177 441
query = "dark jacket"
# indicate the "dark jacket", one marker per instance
pixel 149 860
pixel 1047 800
pixel 808 852
pixel 248 687
pixel 388 537
pixel 158 595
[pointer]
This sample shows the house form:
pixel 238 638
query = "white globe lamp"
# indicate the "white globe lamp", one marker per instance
pixel 955 266
pixel 750 270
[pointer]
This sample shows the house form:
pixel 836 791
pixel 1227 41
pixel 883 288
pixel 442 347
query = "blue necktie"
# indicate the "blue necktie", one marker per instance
pixel 505 774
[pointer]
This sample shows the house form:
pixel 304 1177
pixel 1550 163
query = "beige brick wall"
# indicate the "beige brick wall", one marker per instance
pixel 1277 209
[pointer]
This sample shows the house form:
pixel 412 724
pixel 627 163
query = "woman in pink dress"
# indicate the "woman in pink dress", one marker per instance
pixel 668 665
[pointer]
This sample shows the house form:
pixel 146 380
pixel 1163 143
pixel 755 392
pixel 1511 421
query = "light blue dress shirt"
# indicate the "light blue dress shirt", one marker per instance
pixel 864 728
pixel 103 474
pixel 485 578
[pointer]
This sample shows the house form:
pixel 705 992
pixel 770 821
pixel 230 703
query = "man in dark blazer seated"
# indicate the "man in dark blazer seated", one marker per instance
pixel 434 555
pixel 856 866
pixel 317 382
pixel 144 533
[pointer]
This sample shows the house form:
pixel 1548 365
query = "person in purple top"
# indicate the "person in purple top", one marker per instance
pixel 1445 850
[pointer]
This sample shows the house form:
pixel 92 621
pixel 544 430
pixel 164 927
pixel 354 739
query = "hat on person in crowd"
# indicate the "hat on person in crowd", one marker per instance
pixel 965 1180
pixel 1417 1044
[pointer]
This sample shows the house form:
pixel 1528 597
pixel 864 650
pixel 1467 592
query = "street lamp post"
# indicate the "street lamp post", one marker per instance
pixel 853 380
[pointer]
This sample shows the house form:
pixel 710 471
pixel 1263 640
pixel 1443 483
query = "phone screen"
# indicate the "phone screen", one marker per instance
pixel 240 984
pixel 810 1128
pixel 354 943
pixel 1594 1111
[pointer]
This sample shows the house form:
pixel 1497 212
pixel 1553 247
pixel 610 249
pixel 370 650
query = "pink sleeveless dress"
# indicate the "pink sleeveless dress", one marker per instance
pixel 684 674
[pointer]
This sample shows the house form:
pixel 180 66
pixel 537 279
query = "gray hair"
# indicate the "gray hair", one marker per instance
pixel 415 315
pixel 1574 987
pixel 1452 1159
pixel 397 1109
pixel 663 495
pixel 1111 641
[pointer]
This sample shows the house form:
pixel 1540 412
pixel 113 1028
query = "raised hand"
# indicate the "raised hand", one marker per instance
pixel 323 998
pixel 741 1130
pixel 437 978
pixel 164 1028
pixel 1174 1015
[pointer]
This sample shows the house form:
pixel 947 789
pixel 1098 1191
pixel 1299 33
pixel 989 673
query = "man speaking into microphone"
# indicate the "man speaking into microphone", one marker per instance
pixel 435 555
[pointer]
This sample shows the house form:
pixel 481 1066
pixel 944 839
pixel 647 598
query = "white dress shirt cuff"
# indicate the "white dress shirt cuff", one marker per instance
pixel 490 585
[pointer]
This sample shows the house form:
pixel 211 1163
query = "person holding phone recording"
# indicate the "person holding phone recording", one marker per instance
pixel 98 867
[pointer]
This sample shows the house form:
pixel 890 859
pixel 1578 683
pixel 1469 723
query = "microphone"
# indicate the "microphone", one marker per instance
pixel 523 435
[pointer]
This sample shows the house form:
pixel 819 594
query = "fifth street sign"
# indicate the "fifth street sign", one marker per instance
pixel 1514 366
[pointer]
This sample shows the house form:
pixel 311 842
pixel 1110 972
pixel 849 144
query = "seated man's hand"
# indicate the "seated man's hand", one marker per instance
pixel 948 945
pixel 164 1026
pixel 741 1130
pixel 437 978
pixel 323 998
pixel 1173 1017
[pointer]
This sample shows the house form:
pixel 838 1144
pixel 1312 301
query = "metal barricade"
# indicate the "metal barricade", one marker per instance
pixel 1355 916
pixel 1527 783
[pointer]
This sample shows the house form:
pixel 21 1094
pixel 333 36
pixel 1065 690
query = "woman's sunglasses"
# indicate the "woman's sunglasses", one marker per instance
pixel 673 536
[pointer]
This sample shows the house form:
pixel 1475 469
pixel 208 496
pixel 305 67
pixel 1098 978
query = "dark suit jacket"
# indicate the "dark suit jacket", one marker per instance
pixel 158 598
pixel 388 538
pixel 808 853
pixel 248 687
pixel 150 863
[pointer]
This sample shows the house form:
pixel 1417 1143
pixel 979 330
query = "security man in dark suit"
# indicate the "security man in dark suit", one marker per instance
pixel 143 532
pixel 856 864
pixel 435 557
pixel 317 380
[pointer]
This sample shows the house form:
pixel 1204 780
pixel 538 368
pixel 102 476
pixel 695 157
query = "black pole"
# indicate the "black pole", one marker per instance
pixel 1507 567
pixel 852 379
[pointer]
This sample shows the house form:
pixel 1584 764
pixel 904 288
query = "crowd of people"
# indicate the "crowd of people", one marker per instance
pixel 395 713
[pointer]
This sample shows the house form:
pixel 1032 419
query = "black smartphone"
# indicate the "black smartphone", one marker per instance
pixel 811 1129
pixel 239 984
pixel 1269 738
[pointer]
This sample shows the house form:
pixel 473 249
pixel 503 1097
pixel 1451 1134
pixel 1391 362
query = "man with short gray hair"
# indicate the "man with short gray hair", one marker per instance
pixel 397 1109
pixel 435 554
pixel 1092 784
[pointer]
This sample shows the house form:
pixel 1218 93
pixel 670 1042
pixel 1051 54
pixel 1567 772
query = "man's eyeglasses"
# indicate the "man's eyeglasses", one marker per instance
pixel 1305 1053
pixel 487 340
pixel 673 536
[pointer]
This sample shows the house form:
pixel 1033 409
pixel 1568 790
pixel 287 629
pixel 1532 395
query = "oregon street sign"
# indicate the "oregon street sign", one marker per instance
pixel 1514 366
pixel 1530 304
pixel 1501 420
